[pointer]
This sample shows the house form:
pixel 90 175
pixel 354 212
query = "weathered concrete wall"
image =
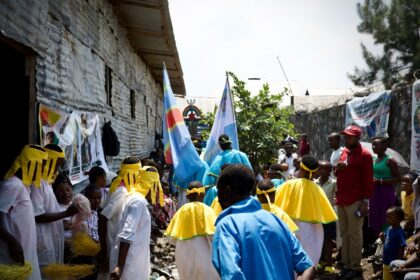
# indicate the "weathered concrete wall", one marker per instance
pixel 74 40
pixel 317 125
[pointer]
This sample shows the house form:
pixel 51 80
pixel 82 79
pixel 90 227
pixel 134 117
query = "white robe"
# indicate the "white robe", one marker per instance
pixel 134 227
pixel 50 236
pixel 193 259
pixel 17 217
pixel 312 238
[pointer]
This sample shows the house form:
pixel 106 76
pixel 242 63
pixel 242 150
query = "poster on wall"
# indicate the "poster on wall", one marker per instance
pixel 78 134
pixel 415 127
pixel 371 113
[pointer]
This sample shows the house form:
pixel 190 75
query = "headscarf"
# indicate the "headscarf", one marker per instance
pixel 197 191
pixel 311 171
pixel 49 169
pixel 149 180
pixel 265 193
pixel 27 160
pixel 128 174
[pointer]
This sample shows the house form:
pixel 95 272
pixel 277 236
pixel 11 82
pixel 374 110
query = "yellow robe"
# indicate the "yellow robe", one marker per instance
pixel 305 201
pixel 282 215
pixel 215 205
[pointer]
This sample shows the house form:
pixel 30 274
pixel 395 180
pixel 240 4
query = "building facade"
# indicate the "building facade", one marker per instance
pixel 96 56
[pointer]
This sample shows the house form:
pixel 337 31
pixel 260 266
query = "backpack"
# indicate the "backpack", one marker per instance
pixel 110 141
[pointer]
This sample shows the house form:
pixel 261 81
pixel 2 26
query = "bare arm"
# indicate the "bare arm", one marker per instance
pixel 122 257
pixel 396 177
pixel 52 217
pixel 308 274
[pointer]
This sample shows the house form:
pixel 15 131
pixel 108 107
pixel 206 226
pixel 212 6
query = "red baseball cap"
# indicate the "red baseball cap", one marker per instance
pixel 352 130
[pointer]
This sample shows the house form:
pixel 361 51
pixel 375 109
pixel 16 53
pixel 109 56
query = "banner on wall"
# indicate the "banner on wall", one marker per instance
pixel 415 127
pixel 371 113
pixel 78 134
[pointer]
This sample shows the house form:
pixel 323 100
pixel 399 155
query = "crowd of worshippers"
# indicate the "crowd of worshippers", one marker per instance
pixel 299 217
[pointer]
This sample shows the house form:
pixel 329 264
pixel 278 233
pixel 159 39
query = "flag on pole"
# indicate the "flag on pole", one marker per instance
pixel 224 123
pixel 178 147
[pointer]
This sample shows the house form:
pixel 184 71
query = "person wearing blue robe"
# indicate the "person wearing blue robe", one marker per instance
pixel 227 156
pixel 249 242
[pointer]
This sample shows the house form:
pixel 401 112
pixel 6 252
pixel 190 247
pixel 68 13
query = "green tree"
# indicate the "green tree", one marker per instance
pixel 260 120
pixel 395 27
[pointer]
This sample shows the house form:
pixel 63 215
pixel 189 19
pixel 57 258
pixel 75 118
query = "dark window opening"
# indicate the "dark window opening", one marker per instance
pixel 108 85
pixel 133 103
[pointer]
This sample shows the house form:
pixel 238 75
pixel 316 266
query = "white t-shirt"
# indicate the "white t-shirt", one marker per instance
pixel 334 159
pixel 134 227
pixel 50 236
pixel 289 160
pixel 17 217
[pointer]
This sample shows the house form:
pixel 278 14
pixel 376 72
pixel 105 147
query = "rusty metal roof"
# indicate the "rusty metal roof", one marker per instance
pixel 149 28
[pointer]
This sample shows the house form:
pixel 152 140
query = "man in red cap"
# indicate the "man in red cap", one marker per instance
pixel 354 188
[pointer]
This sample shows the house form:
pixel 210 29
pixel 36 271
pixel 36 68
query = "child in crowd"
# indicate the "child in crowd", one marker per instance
pixel 275 174
pixel 306 203
pixel 97 176
pixel 193 228
pixel 329 186
pixel 94 194
pixel 394 239
pixel 266 193
pixel 407 198
pixel 63 190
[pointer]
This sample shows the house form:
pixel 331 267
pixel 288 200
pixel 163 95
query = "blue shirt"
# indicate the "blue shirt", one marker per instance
pixel 228 156
pixel 251 243
pixel 394 240
pixel 277 182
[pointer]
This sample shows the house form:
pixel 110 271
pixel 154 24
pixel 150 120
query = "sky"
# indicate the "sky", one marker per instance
pixel 316 41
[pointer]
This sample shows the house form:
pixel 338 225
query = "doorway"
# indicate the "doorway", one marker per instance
pixel 17 88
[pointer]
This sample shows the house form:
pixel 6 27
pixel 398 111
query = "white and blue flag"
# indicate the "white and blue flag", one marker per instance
pixel 224 123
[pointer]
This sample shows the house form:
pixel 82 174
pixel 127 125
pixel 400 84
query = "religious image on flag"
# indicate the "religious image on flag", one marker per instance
pixel 224 123
pixel 179 149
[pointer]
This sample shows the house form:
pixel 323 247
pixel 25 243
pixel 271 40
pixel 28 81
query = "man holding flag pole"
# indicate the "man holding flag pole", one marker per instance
pixel 223 144
pixel 179 150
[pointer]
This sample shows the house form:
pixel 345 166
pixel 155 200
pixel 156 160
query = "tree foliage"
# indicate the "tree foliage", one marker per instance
pixel 260 120
pixel 395 27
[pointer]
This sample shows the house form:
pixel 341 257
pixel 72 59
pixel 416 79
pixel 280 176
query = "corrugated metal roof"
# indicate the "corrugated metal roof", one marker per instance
pixel 149 28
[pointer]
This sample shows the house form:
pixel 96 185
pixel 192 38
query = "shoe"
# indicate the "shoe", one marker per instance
pixel 329 269
pixel 353 273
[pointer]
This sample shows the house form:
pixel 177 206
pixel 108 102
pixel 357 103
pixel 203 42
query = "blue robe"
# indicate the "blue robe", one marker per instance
pixel 251 243
pixel 277 182
pixel 211 194
pixel 228 156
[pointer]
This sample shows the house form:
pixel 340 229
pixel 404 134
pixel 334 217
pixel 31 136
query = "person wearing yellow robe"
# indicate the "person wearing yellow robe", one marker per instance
pixel 193 227
pixel 266 194
pixel 306 203
pixel 217 208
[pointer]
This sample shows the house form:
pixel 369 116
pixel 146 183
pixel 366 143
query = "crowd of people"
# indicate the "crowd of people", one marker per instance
pixel 300 217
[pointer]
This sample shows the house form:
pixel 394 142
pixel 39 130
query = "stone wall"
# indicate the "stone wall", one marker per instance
pixel 74 40
pixel 318 124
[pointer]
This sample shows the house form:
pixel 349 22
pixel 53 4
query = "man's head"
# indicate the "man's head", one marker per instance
pixel 97 176
pixel 94 194
pixel 225 142
pixel 324 169
pixel 264 186
pixel 275 171
pixel 195 191
pixel 303 137
pixel 352 135
pixel 288 147
pixel 235 183
pixel 308 167
pixel 334 140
